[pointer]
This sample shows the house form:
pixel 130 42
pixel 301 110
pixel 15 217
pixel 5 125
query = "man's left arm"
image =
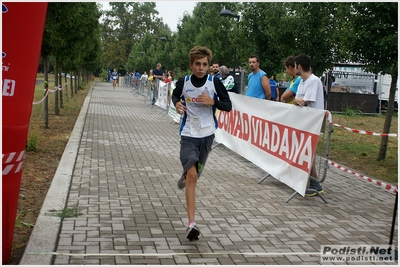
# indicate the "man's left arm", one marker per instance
pixel 266 86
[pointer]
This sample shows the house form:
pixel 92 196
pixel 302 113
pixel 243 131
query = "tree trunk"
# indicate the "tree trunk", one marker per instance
pixel 388 119
pixel 65 87
pixel 76 81
pixel 79 79
pixel 56 108
pixel 46 88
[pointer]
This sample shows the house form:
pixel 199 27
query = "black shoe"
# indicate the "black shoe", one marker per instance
pixel 192 232
pixel 310 192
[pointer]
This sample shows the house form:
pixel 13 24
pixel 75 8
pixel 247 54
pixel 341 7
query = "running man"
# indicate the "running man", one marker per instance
pixel 197 97
pixel 114 77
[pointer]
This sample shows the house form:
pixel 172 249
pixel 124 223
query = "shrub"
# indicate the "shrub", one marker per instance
pixel 33 141
pixel 348 111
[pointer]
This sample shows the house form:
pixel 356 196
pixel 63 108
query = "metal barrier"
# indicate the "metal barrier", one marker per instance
pixel 321 162
pixel 126 80
pixel 149 91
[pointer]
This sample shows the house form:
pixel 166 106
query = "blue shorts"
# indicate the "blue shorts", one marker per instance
pixel 194 151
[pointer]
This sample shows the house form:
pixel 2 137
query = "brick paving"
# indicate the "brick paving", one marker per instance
pixel 124 183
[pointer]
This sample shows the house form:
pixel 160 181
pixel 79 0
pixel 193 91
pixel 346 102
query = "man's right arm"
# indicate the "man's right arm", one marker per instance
pixel 176 94
pixel 287 96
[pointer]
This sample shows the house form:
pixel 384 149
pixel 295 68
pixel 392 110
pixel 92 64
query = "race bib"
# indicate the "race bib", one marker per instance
pixel 201 126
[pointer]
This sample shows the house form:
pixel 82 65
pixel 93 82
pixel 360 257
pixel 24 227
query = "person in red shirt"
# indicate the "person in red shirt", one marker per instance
pixel 166 78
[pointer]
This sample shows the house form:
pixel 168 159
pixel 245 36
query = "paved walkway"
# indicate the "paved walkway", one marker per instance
pixel 120 171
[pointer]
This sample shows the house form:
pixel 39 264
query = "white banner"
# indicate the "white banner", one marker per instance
pixel 173 114
pixel 162 94
pixel 279 138
pixel 172 111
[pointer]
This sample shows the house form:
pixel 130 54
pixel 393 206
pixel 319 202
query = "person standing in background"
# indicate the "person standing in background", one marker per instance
pixel 158 75
pixel 291 90
pixel 144 78
pixel 258 82
pixel 274 89
pixel 137 77
pixel 228 81
pixel 309 93
pixel 166 79
pixel 150 79
pixel 215 68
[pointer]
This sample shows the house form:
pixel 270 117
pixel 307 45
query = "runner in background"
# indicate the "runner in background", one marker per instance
pixel 114 77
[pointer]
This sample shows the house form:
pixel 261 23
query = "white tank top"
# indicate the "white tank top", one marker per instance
pixel 199 119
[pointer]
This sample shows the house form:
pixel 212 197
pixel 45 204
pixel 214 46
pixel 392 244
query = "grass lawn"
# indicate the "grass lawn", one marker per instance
pixel 359 152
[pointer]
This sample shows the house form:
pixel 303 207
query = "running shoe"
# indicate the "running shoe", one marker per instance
pixel 192 232
pixel 182 181
pixel 310 192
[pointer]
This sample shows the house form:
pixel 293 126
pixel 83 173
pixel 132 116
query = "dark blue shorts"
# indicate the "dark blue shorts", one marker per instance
pixel 194 151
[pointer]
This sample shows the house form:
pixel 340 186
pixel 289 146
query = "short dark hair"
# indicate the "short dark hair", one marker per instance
pixel 216 62
pixel 255 56
pixel 304 61
pixel 289 62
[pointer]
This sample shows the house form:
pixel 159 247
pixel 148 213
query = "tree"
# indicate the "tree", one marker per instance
pixel 258 34
pixel 123 27
pixel 371 37
pixel 145 54
pixel 206 27
pixel 71 38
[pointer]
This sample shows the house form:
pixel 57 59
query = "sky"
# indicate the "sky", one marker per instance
pixel 170 11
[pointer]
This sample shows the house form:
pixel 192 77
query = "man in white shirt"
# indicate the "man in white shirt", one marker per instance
pixel 144 78
pixel 309 93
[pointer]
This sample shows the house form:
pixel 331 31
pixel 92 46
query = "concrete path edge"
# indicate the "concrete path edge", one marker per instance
pixel 44 236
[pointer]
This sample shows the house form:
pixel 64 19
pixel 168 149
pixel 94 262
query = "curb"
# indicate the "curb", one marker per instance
pixel 44 236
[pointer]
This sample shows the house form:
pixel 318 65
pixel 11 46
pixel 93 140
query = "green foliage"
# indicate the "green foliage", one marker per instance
pixel 124 26
pixel 272 30
pixel 82 85
pixel 103 75
pixel 19 223
pixel 327 31
pixel 351 112
pixel 33 142
pixel 65 213
pixel 370 34
pixel 258 31
pixel 72 35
